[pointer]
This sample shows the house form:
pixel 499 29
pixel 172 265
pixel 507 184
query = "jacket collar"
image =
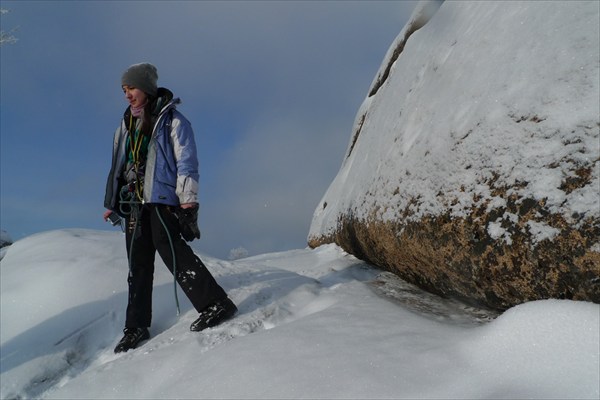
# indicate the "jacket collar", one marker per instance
pixel 163 101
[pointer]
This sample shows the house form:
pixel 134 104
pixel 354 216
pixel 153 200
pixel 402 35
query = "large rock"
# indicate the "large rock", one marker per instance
pixel 473 168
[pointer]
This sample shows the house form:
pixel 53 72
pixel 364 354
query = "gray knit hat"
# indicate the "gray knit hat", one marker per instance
pixel 142 76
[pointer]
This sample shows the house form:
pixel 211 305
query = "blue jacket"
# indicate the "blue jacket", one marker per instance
pixel 171 172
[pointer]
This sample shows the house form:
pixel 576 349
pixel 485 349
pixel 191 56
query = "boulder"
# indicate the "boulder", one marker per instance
pixel 473 167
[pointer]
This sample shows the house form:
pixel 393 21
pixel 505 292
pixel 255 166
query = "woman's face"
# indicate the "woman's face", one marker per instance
pixel 134 96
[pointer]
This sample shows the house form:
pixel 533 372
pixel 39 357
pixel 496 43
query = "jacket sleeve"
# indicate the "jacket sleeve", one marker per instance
pixel 186 158
pixel 112 181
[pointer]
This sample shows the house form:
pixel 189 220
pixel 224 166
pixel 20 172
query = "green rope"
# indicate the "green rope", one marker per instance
pixel 174 259
pixel 131 241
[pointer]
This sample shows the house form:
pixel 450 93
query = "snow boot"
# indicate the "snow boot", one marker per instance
pixel 132 337
pixel 214 314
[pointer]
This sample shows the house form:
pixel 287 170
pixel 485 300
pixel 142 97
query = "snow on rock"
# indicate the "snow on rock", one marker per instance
pixel 473 169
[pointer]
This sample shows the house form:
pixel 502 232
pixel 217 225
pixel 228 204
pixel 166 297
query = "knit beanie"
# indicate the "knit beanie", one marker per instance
pixel 141 76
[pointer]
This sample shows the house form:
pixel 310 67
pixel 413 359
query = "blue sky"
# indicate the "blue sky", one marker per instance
pixel 271 89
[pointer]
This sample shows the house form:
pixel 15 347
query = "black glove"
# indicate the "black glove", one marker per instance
pixel 188 223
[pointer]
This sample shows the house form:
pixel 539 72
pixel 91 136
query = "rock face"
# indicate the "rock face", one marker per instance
pixel 473 169
pixel 5 239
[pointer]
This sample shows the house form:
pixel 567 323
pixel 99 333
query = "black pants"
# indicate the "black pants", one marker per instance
pixel 149 236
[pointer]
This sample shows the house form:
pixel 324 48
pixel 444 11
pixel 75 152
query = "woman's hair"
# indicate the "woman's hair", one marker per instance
pixel 148 116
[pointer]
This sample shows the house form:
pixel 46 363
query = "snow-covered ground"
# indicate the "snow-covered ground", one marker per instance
pixel 311 324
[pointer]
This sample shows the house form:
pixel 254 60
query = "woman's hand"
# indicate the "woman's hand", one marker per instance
pixel 106 214
pixel 188 221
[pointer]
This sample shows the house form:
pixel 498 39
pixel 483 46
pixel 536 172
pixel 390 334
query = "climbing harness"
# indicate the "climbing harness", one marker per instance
pixel 127 199
pixel 137 140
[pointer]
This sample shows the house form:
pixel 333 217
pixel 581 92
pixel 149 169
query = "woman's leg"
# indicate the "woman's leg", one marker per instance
pixel 190 272
pixel 141 253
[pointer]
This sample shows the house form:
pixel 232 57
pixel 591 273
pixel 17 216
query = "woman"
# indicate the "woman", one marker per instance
pixel 153 184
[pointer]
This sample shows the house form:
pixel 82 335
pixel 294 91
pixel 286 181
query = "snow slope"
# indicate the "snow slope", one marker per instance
pixel 312 324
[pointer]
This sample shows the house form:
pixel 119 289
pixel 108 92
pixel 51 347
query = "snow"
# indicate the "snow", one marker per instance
pixel 496 231
pixel 321 323
pixel 541 231
pixel 311 324
pixel 485 90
